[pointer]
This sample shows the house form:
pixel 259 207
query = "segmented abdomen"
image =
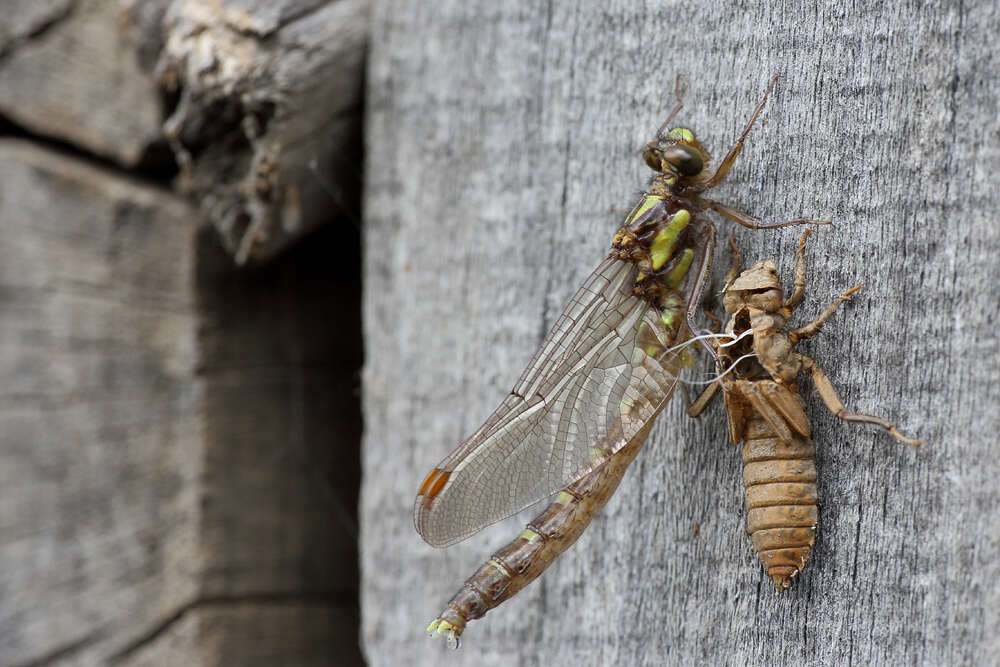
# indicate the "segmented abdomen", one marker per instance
pixel 549 534
pixel 780 482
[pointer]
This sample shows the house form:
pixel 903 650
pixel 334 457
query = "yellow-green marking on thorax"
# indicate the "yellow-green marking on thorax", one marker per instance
pixel 676 274
pixel 648 202
pixel 663 245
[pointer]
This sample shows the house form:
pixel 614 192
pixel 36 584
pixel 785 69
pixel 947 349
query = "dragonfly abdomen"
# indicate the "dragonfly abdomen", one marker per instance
pixel 546 537
pixel 779 478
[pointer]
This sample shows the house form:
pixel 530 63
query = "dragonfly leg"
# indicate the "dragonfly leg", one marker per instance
pixel 701 281
pixel 751 222
pixel 676 109
pixel 799 288
pixel 704 398
pixel 716 322
pixel 736 264
pixel 734 152
pixel 694 409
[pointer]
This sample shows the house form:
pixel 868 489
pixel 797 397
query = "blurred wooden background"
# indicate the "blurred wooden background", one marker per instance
pixel 179 460
pixel 182 283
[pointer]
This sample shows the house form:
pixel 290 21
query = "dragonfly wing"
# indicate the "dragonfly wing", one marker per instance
pixel 602 373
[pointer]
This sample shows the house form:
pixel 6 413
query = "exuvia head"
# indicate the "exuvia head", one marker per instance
pixel 676 154
pixel 758 287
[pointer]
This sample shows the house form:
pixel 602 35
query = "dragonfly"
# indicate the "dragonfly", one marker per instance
pixel 584 406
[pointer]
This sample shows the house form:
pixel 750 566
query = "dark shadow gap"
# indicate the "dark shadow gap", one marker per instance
pixel 156 166
pixel 281 356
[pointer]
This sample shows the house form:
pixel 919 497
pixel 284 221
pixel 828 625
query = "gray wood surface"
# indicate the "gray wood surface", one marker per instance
pixel 178 438
pixel 99 445
pixel 80 71
pixel 178 457
pixel 502 153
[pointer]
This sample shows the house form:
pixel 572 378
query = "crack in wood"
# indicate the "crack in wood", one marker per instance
pixel 63 652
pixel 331 599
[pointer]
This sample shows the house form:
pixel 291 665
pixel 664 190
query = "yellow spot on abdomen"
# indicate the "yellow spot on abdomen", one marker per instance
pixel 529 535
pixel 564 498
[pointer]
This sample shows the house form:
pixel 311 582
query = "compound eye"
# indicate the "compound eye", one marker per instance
pixel 652 157
pixel 685 159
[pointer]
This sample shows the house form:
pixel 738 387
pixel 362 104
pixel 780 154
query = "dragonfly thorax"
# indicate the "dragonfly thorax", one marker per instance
pixel 656 238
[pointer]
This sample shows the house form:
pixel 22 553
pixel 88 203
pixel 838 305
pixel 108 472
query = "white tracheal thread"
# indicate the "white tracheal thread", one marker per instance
pixel 730 340
pixel 718 377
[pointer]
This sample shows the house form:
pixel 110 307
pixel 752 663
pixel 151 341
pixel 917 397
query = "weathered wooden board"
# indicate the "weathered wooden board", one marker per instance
pixel 502 152
pixel 267 119
pixel 258 102
pixel 100 450
pixel 176 440
pixel 81 71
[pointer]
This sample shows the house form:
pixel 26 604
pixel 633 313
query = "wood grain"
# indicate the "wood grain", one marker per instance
pixel 178 460
pixel 178 438
pixel 80 71
pixel 259 104
pixel 502 153
pixel 99 444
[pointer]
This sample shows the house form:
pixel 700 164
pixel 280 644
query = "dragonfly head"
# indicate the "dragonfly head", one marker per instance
pixel 677 155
